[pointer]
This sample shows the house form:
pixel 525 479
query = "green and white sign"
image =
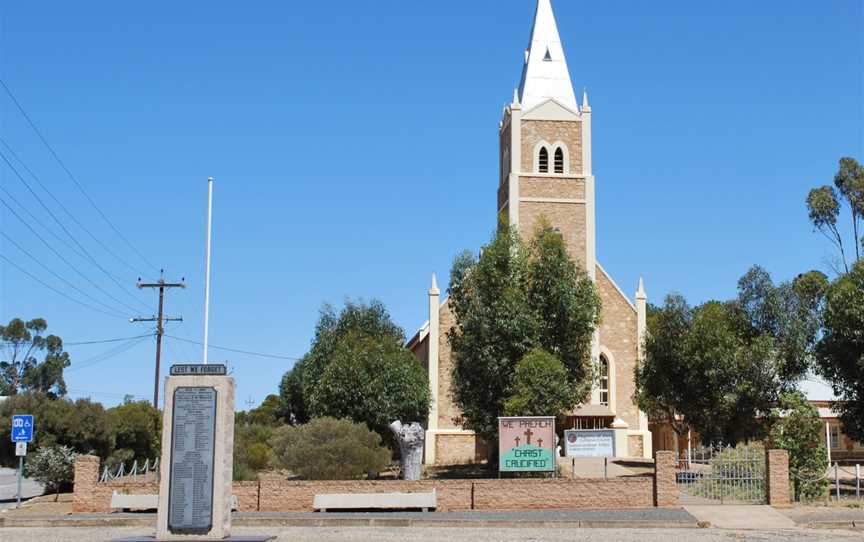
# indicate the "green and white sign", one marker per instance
pixel 526 444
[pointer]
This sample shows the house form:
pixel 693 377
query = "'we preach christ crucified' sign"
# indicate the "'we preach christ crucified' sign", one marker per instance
pixel 526 443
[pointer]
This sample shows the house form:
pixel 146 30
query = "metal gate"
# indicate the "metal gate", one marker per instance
pixel 722 476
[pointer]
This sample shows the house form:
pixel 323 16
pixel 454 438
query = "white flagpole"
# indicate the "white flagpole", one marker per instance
pixel 207 266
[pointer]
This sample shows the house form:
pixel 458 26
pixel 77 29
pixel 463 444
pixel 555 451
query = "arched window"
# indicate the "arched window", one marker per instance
pixel 543 161
pixel 603 380
pixel 559 160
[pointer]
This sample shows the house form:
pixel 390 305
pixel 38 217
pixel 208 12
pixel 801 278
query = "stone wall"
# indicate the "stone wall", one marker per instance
pixel 618 336
pixel 275 493
pixel 563 494
pixel 570 132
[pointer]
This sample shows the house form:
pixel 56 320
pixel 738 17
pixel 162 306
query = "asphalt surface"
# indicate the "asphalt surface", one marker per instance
pixel 428 534
pixel 9 488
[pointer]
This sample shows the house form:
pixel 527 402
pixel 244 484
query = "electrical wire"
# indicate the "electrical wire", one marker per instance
pixel 259 354
pixel 67 232
pixel 70 214
pixel 67 262
pixel 71 176
pixel 108 354
pixel 56 275
pixel 46 285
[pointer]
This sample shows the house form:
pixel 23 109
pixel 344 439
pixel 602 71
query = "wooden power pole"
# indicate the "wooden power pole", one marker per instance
pixel 160 319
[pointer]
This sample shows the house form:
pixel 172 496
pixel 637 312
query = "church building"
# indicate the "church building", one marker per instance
pixel 546 171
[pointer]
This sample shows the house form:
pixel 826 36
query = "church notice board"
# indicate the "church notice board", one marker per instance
pixel 190 494
pixel 526 443
pixel 589 443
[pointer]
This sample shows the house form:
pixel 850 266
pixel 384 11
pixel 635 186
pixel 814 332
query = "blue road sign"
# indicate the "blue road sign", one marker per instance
pixel 22 428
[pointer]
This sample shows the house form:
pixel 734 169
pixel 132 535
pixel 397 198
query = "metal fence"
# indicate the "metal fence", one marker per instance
pixel 138 472
pixel 722 476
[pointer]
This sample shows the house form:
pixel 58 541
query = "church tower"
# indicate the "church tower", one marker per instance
pixel 545 174
pixel 545 147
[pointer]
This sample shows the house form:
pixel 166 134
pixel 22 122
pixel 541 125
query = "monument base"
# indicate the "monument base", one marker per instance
pixel 236 538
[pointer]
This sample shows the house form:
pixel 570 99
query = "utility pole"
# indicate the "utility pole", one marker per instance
pixel 160 319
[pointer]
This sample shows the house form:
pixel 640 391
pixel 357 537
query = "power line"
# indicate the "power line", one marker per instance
pixel 46 268
pixel 259 354
pixel 104 341
pixel 71 176
pixel 66 230
pixel 65 209
pixel 67 262
pixel 108 354
pixel 46 285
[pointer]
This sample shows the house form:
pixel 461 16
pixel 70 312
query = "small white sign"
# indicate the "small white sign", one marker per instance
pixel 20 449
pixel 590 442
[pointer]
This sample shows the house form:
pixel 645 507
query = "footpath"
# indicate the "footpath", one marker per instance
pixel 44 512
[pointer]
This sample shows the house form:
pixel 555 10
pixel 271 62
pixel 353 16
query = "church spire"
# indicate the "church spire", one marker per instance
pixel 545 73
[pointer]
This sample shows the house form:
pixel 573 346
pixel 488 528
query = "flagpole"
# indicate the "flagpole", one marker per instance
pixel 207 266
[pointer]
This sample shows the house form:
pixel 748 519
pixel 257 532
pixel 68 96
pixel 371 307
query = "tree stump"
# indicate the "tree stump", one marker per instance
pixel 410 438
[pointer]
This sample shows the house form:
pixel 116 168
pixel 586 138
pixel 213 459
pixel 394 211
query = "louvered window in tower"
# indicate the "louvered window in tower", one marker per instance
pixel 543 161
pixel 559 160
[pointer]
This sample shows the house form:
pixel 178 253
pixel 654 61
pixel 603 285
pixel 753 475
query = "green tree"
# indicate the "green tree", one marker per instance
pixel 135 428
pixel 798 430
pixel 291 401
pixel 723 365
pixel 20 370
pixel 81 425
pixel 269 412
pixel 541 387
pixel 359 369
pixel 329 449
pixel 840 353
pixel 372 381
pixel 515 298
pixel 825 202
pixel 53 466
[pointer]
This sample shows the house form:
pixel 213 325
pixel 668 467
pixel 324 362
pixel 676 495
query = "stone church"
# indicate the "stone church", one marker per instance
pixel 545 171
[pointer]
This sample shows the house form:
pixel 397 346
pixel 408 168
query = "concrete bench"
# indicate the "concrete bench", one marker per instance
pixel 380 501
pixel 145 502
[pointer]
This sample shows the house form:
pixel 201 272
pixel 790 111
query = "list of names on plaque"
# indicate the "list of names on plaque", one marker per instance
pixel 193 435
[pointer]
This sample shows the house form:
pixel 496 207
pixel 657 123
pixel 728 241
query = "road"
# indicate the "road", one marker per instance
pixel 9 488
pixel 429 534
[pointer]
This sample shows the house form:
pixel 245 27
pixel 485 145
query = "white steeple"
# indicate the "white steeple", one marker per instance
pixel 545 73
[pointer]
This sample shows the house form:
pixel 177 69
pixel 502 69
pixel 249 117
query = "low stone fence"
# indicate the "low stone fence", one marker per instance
pixel 274 493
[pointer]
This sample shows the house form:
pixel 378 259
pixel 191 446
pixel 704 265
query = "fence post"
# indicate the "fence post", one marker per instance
pixel 837 479
pixel 665 486
pixel 857 481
pixel 777 477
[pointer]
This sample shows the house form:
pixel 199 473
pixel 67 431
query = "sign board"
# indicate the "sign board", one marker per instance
pixel 193 436
pixel 215 369
pixel 22 428
pixel 589 442
pixel 20 449
pixel 526 443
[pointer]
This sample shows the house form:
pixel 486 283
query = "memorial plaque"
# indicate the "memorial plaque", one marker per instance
pixel 190 493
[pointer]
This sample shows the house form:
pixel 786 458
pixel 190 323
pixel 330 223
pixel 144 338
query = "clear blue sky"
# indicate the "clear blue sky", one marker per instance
pixel 354 146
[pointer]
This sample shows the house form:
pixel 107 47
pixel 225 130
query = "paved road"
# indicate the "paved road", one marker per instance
pixel 422 534
pixel 9 487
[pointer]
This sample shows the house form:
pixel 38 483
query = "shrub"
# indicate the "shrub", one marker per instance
pixel 135 428
pixel 799 431
pixel 252 451
pixel 540 387
pixel 53 466
pixel 329 449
